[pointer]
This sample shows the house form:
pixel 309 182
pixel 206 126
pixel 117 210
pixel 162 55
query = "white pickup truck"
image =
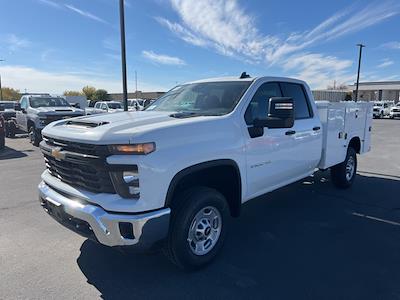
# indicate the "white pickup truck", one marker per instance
pixel 170 176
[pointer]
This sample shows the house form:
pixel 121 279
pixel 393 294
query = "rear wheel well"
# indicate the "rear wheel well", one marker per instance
pixel 355 143
pixel 221 175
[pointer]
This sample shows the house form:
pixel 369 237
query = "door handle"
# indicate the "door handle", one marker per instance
pixel 290 132
pixel 316 128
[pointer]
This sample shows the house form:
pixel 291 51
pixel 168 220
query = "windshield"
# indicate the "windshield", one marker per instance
pixel 36 102
pixel 7 105
pixel 208 98
pixel 114 105
pixel 378 104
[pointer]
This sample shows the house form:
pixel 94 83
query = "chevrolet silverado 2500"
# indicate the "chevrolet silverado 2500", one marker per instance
pixel 171 175
pixel 35 111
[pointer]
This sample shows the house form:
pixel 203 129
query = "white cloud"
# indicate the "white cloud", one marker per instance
pixel 85 14
pixel 392 45
pixel 318 70
pixel 15 42
pixel 50 3
pixel 222 25
pixel 162 58
pixel 36 80
pixel 386 62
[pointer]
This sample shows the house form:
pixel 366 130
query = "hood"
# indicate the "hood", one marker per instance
pixel 59 110
pixel 116 128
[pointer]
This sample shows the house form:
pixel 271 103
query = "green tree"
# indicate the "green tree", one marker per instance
pixel 10 94
pixel 100 95
pixel 89 92
pixel 73 93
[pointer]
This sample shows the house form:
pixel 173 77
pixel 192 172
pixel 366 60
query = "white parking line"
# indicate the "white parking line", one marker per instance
pixel 376 219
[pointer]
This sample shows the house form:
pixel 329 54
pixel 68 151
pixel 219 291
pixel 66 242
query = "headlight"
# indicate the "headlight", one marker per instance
pixel 135 149
pixel 42 120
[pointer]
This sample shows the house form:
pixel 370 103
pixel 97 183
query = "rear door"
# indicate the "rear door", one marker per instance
pixel 307 136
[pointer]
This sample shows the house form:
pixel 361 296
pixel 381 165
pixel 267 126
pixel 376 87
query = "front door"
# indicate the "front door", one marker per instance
pixel 21 115
pixel 281 155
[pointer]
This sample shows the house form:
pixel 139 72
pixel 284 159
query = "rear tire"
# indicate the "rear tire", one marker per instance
pixel 2 142
pixel 198 228
pixel 343 174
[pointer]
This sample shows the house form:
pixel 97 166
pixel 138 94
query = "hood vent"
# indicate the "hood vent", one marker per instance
pixel 81 123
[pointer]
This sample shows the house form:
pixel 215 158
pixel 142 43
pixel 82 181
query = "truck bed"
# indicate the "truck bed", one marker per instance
pixel 342 121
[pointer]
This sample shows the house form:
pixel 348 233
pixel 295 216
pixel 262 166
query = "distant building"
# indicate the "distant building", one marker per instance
pixel 378 90
pixel 332 95
pixel 138 94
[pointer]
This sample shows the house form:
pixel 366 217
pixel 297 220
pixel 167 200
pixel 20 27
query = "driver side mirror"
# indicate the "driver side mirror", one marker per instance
pixel 280 114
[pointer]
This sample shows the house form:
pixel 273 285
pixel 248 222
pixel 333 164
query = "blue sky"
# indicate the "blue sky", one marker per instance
pixel 52 46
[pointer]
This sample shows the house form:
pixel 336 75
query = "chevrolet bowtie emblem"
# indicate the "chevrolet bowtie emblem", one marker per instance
pixel 57 153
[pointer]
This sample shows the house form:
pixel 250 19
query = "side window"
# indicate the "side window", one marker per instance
pixel 258 107
pixel 104 106
pixel 296 91
pixel 97 105
pixel 24 103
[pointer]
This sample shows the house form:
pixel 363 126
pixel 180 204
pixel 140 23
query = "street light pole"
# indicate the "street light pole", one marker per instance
pixel 358 72
pixel 123 54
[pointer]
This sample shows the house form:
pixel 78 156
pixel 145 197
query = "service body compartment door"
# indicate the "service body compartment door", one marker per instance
pixel 366 145
pixel 332 116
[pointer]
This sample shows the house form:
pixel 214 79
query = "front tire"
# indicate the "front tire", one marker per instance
pixel 343 174
pixel 34 137
pixel 11 129
pixel 198 228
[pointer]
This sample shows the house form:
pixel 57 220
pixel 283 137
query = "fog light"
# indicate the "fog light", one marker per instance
pixel 126 230
pixel 130 177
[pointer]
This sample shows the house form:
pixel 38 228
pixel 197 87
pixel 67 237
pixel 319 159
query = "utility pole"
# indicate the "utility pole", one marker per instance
pixel 1 90
pixel 136 84
pixel 123 54
pixel 358 72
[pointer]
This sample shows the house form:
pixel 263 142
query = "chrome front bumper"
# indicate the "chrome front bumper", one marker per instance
pixel 147 229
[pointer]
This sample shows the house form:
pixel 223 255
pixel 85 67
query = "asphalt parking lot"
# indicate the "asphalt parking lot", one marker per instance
pixel 306 241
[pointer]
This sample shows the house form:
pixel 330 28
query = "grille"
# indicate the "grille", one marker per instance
pixel 50 118
pixel 100 151
pixel 82 165
pixel 396 109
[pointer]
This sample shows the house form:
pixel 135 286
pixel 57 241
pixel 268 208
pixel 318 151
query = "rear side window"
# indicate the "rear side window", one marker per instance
pixel 296 91
pixel 258 107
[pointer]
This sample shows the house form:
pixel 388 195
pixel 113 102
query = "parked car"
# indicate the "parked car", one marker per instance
pixel 146 102
pixel 134 104
pixel 172 176
pixel 395 111
pixel 2 131
pixel 8 111
pixel 34 112
pixel 382 109
pixel 101 107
